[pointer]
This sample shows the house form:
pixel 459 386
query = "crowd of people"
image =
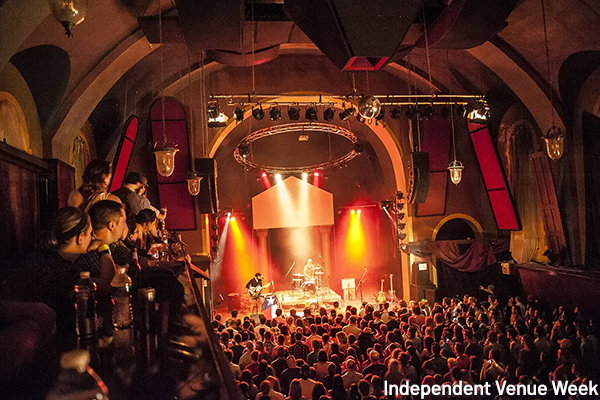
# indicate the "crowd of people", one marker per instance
pixel 97 232
pixel 355 353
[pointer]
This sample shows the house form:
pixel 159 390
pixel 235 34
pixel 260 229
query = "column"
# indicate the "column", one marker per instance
pixel 263 256
pixel 326 245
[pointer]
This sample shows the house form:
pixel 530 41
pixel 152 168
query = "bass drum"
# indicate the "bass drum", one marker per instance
pixel 309 287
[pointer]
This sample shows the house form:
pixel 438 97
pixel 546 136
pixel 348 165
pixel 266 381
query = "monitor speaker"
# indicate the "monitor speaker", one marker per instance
pixel 208 199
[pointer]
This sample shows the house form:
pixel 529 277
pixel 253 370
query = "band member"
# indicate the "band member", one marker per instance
pixel 256 281
pixel 309 269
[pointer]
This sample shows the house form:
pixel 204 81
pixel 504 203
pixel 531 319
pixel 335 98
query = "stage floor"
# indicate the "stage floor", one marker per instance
pixel 300 300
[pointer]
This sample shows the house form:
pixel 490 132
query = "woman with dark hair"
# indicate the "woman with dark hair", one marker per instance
pixel 318 391
pixel 146 227
pixel 96 180
pixel 295 390
pixel 49 274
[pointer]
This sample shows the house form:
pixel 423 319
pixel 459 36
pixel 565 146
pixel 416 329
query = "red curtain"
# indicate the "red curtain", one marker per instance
pixel 479 255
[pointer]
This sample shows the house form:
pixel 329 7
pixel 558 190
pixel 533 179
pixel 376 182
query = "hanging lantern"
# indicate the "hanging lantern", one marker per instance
pixel 456 170
pixel 193 180
pixel 165 157
pixel 369 107
pixel 68 12
pixel 555 143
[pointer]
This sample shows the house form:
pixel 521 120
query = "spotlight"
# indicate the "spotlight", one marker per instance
pixel 396 113
pixel 402 236
pixel 411 112
pixel 428 112
pixel 232 219
pixel 238 114
pixel 401 226
pixel 304 176
pixel 479 113
pixel 399 195
pixel 278 177
pixel 316 174
pixel 359 147
pixel 275 113
pixel 311 114
pixel 347 113
pixel 213 109
pixel 401 216
pixel 400 206
pixel 263 175
pixel 352 211
pixel 258 113
pixel 328 114
pixel 379 118
pixel 358 212
pixel 294 113
pixel 244 150
pixel 445 112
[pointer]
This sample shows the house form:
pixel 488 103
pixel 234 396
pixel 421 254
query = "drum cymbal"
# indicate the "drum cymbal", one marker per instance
pixel 298 276
pixel 319 273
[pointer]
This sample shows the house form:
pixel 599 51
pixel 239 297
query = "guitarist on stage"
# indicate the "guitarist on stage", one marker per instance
pixel 255 287
pixel 255 282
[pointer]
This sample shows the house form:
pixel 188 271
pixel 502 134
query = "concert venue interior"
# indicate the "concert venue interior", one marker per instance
pixel 417 152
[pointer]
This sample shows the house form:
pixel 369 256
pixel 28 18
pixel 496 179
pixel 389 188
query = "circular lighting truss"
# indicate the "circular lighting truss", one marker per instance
pixel 297 128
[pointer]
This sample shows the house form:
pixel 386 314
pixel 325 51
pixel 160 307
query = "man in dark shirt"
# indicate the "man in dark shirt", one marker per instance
pixel 376 367
pixel 280 363
pixel 237 348
pixel 292 372
pixel 256 281
pixel 299 349
pixel 133 182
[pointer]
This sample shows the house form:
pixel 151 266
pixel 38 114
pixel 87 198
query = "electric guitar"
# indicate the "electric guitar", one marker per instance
pixel 381 298
pixel 392 297
pixel 256 291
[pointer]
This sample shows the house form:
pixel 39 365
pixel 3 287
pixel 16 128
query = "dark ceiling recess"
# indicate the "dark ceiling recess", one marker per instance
pixel 355 35
pixel 467 23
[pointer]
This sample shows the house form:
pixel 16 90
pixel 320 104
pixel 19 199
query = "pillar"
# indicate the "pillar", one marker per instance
pixel 263 255
pixel 326 245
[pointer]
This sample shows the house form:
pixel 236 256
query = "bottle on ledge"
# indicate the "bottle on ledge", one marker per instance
pixel 134 266
pixel 77 380
pixel 85 307
pixel 121 298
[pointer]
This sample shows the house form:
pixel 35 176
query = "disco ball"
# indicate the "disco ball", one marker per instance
pixel 369 107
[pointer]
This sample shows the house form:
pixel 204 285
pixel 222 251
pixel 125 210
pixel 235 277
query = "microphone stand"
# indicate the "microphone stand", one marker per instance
pixel 360 283
pixel 290 270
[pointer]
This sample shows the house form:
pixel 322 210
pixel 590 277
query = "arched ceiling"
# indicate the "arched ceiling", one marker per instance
pixel 108 25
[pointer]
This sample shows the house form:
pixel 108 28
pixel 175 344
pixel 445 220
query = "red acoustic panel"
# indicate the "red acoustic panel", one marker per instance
pixel 124 153
pixel 488 162
pixel 180 205
pixel 173 110
pixel 122 162
pixel 177 133
pixel 503 210
pixel 499 195
pixel 435 204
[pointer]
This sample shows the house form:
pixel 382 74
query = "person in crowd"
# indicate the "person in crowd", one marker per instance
pixel 146 224
pixel 145 203
pixel 49 274
pixel 291 373
pixel 128 193
pixel 96 180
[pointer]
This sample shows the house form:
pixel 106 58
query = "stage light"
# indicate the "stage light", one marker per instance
pixel 213 109
pixel 316 174
pixel 275 113
pixel 244 150
pixel 352 211
pixel 263 175
pixel 411 112
pixel 396 113
pixel 359 147
pixel 328 114
pixel 358 212
pixel 311 114
pixel 401 226
pixel 238 114
pixel 278 177
pixel 402 236
pixel 479 112
pixel 379 118
pixel 347 113
pixel 401 216
pixel 428 112
pixel 294 113
pixel 399 195
pixel 232 219
pixel 258 113
pixel 304 176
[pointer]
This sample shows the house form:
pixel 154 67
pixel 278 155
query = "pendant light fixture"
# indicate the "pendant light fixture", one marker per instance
pixel 193 177
pixel 455 167
pixel 165 151
pixel 554 137
pixel 68 12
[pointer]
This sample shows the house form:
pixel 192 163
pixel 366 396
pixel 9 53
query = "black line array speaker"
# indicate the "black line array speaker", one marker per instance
pixel 355 34
pixel 208 199
pixel 417 164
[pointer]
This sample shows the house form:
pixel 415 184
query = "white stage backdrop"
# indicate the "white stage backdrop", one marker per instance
pixel 292 203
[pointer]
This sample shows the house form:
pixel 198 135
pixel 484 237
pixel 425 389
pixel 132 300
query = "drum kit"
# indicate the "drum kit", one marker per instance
pixel 308 286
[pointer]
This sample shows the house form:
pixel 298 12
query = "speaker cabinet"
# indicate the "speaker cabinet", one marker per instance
pixel 208 199
pixel 417 164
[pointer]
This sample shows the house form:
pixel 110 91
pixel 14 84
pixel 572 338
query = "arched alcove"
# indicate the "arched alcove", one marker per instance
pixel 13 126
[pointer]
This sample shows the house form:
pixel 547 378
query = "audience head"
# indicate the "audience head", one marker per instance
pixel 97 175
pixel 69 230
pixel 109 220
